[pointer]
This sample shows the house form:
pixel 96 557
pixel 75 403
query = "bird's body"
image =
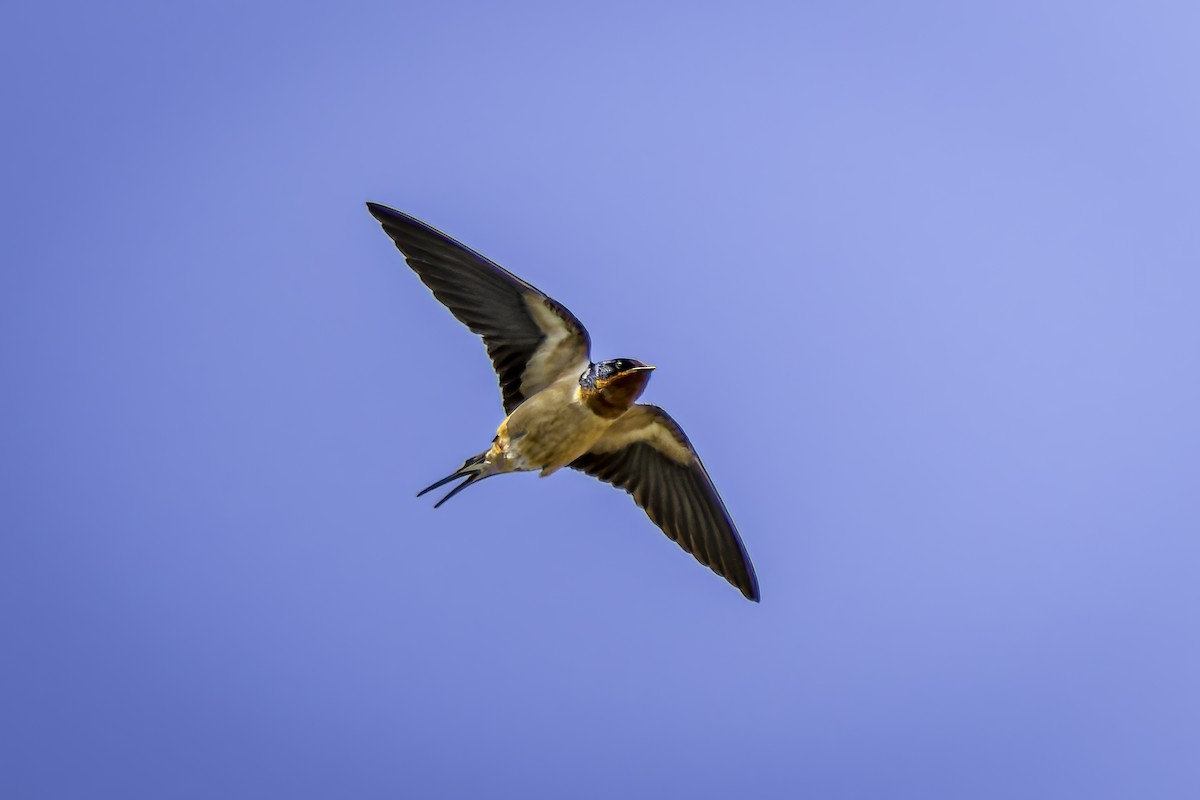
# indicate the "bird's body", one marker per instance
pixel 549 430
pixel 563 409
pixel 558 424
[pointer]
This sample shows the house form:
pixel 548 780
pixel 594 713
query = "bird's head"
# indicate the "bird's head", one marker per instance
pixel 611 387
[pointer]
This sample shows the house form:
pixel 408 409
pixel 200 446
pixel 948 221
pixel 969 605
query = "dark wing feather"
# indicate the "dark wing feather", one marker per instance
pixel 647 454
pixel 532 340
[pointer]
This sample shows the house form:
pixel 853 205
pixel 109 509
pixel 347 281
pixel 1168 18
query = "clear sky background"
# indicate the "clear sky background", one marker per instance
pixel 922 281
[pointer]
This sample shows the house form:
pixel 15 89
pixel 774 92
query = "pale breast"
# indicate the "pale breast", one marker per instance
pixel 553 428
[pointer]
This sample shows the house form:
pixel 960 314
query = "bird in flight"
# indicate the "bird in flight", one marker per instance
pixel 564 410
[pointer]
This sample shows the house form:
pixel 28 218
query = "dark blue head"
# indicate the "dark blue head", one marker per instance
pixel 607 370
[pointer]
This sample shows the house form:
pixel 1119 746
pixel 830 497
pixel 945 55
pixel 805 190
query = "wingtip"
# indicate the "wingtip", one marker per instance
pixel 379 211
pixel 747 584
pixel 391 219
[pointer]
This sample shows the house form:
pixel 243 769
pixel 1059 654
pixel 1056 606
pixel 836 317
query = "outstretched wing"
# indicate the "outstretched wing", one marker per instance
pixel 646 453
pixel 532 340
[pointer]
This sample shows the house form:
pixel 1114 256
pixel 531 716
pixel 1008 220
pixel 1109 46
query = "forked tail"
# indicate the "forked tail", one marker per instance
pixel 474 469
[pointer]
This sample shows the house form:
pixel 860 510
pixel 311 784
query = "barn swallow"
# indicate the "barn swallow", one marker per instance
pixel 563 409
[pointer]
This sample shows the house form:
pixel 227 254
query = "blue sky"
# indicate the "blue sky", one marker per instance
pixel 921 281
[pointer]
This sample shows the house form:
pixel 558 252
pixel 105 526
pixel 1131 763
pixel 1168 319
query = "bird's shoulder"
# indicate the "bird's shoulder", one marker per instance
pixel 650 425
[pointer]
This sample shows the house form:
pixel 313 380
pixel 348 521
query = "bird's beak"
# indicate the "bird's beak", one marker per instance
pixel 643 368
